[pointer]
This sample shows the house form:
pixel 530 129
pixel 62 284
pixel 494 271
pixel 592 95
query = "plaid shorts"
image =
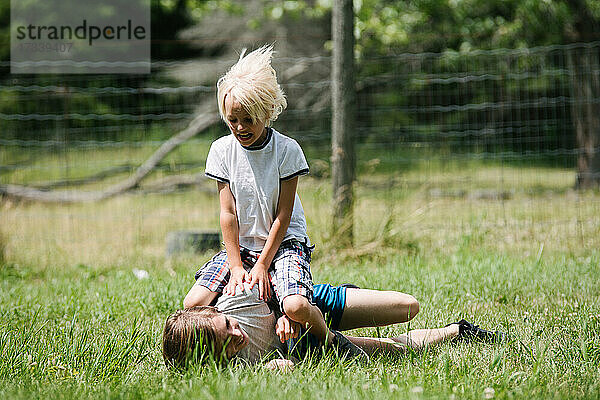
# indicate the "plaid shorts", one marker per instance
pixel 289 271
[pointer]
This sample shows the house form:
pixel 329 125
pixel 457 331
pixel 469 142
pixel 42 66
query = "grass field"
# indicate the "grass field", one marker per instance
pixel 76 322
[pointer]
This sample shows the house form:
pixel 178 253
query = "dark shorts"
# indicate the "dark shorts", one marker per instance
pixel 289 271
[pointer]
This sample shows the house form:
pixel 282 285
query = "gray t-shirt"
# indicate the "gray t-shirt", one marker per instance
pixel 257 320
pixel 254 177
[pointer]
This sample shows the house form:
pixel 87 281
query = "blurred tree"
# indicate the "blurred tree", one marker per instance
pixel 585 84
pixel 4 30
pixel 168 18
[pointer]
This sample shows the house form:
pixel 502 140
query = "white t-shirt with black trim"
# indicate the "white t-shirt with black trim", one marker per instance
pixel 254 176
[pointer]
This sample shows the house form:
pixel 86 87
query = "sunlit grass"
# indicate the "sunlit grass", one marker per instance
pixel 97 332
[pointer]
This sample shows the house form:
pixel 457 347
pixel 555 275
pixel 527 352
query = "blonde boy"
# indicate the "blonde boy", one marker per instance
pixel 262 220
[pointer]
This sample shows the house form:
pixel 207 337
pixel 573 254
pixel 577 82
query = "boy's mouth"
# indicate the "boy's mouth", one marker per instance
pixel 244 136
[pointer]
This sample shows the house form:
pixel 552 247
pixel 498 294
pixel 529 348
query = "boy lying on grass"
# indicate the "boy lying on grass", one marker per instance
pixel 244 328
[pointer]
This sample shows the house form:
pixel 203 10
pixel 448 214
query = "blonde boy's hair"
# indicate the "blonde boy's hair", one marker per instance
pixel 189 336
pixel 253 83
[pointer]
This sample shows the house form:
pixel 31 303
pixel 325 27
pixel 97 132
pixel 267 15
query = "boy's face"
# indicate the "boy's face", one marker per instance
pixel 228 328
pixel 241 125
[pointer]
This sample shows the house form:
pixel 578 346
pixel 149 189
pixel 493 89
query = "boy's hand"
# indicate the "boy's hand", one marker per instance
pixel 286 328
pixel 237 277
pixel 281 365
pixel 260 276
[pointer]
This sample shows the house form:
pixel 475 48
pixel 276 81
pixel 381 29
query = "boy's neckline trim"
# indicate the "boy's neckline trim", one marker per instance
pixel 263 144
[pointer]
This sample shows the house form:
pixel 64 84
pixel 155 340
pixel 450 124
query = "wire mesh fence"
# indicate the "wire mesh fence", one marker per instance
pixel 446 142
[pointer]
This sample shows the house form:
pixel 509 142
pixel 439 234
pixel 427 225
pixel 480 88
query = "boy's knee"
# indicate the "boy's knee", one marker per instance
pixel 198 296
pixel 406 304
pixel 413 307
pixel 191 301
pixel 296 307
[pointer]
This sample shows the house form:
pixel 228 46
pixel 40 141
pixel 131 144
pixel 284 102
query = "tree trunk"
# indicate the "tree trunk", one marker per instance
pixel 585 93
pixel 343 120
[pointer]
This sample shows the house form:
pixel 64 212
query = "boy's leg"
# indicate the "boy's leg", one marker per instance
pixel 415 340
pixel 199 296
pixel 210 281
pixel 420 338
pixel 366 308
pixel 299 309
pixel 292 283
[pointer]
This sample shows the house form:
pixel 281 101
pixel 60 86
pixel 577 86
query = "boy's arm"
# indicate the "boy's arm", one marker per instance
pixel 231 237
pixel 285 206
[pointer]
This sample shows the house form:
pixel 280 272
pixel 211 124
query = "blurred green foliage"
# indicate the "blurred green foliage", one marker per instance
pixel 387 27
pixel 392 27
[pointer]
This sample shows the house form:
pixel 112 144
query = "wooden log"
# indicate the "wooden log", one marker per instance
pixel 206 117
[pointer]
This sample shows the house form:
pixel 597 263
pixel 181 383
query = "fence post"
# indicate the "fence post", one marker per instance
pixel 342 120
pixel 585 88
